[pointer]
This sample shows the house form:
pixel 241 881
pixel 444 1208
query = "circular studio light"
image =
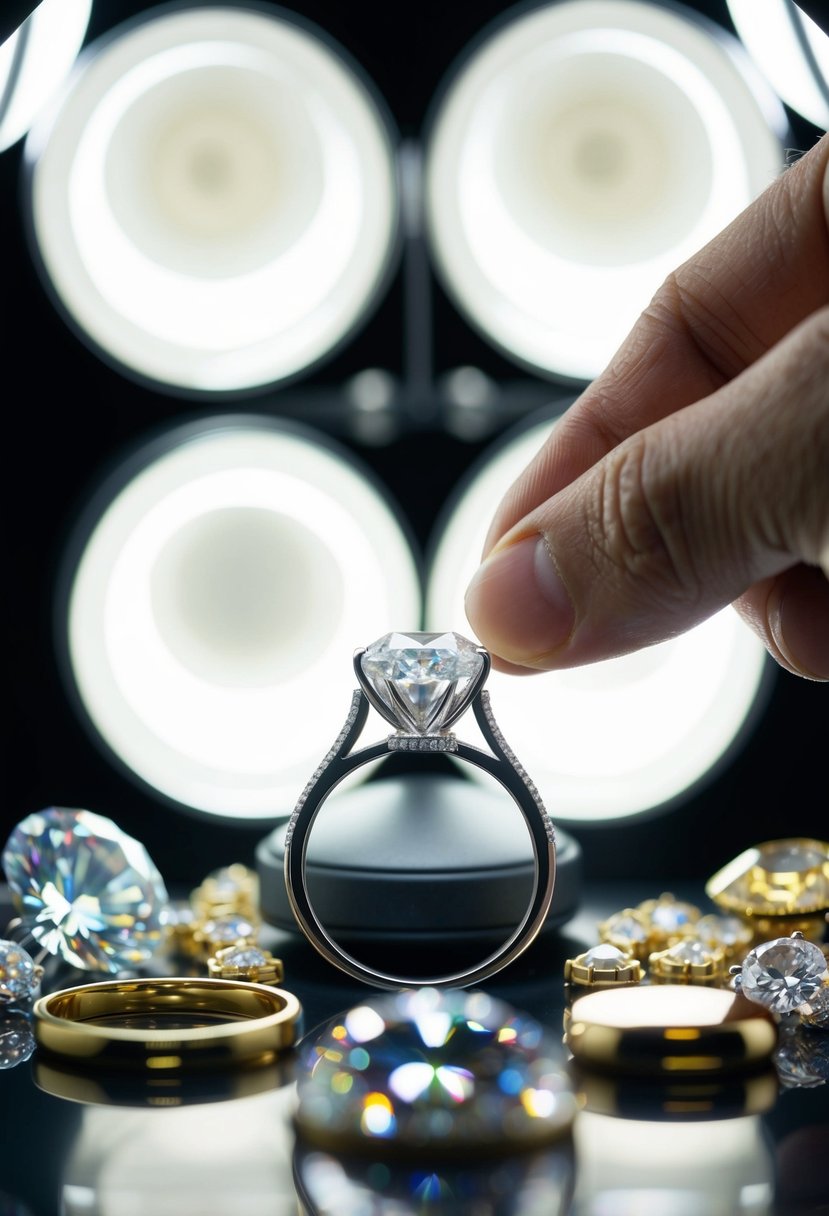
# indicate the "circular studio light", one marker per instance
pixel 211 600
pixel 213 201
pixel 580 153
pixel 35 61
pixel 617 738
pixel 791 51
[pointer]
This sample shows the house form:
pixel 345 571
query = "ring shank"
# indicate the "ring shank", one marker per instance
pixel 504 772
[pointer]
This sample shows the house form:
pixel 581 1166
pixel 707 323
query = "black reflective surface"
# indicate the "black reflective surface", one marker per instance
pixel 74 1142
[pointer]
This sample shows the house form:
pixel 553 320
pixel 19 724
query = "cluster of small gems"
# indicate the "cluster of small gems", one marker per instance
pixel 422 743
pixel 513 760
pixel 333 751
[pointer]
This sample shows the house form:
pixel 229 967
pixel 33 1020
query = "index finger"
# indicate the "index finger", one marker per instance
pixel 718 313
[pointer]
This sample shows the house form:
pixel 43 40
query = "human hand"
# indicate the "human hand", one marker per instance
pixel 694 472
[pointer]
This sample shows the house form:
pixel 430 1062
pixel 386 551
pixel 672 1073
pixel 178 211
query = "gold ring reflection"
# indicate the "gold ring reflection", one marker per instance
pixel 164 1025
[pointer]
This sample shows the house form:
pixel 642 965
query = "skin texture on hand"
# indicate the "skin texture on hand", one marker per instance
pixel 694 472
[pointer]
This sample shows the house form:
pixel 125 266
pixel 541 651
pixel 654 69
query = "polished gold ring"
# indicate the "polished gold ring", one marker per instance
pixel 168 1024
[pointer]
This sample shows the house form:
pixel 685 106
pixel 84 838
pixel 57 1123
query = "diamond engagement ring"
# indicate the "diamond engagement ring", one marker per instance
pixel 421 683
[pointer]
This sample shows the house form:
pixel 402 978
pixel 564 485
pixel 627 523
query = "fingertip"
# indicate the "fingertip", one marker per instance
pixel 798 621
pixel 518 606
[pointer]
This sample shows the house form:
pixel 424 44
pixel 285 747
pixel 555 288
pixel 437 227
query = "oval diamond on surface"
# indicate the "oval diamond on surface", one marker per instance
pixel 84 889
pixel 783 974
pixel 426 1068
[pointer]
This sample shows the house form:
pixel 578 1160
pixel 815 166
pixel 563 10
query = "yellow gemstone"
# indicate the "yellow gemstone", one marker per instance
pixel 777 878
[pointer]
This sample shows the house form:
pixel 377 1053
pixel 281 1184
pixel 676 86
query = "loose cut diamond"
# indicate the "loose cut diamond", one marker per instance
pixel 19 977
pixel 85 890
pixel 416 676
pixel 783 974
pixel 433 1070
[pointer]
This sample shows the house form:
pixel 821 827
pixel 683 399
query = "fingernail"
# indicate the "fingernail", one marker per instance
pixel 517 604
pixel 795 609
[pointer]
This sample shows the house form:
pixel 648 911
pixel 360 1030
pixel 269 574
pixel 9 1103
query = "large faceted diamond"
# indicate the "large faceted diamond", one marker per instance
pixel 784 973
pixel 84 889
pixel 423 669
pixel 435 1071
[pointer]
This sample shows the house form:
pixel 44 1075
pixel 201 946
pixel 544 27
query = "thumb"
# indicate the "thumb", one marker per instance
pixel 726 498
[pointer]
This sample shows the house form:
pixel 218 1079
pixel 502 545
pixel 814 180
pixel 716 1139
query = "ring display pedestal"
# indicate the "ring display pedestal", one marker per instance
pixel 419 859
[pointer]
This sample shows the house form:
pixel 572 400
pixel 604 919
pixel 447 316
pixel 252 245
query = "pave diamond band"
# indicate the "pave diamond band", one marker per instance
pixel 421 683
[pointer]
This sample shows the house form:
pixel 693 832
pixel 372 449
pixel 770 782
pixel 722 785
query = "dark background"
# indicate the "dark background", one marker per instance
pixel 68 415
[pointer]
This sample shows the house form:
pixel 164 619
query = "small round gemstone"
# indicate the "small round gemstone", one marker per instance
pixel 17 1041
pixel 226 930
pixel 669 916
pixel 19 977
pixel 230 889
pixel 85 890
pixel 243 957
pixel 728 932
pixel 783 974
pixel 425 1068
pixel 627 929
pixel 604 957
pixel 691 951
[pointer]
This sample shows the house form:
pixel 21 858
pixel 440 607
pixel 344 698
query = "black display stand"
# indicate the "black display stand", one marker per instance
pixel 419 859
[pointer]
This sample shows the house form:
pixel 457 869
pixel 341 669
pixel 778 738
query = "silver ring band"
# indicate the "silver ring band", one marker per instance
pixel 502 765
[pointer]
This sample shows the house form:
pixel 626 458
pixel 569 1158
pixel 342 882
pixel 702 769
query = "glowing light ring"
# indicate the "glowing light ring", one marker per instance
pixel 241 745
pixel 545 295
pixel 277 289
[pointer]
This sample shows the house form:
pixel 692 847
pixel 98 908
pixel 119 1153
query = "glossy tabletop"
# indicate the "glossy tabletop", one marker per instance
pixel 86 1143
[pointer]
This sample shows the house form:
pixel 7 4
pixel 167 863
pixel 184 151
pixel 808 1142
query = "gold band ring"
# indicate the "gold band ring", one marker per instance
pixel 167 1024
